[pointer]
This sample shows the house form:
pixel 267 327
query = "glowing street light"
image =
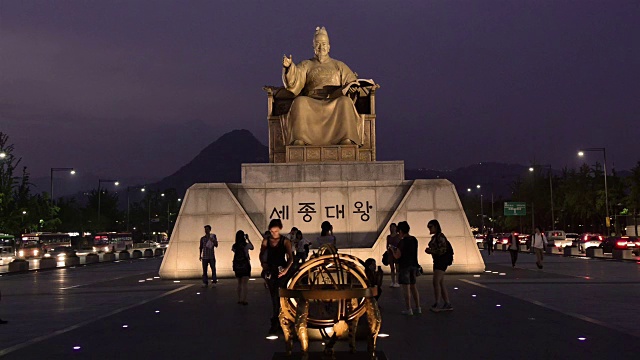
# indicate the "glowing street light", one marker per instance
pixel 3 155
pixel 531 169
pixel 606 189
pixel 100 181
pixel 71 171
pixel 142 189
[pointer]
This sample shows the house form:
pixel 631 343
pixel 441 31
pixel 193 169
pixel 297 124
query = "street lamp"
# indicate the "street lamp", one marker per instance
pixel 100 181
pixel 581 153
pixel 142 189
pixel 3 155
pixel 532 169
pixel 481 208
pixel 71 171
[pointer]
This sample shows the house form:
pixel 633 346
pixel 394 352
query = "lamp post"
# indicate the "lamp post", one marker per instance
pixel 142 189
pixel 532 169
pixel 71 171
pixel 100 181
pixel 606 189
pixel 481 209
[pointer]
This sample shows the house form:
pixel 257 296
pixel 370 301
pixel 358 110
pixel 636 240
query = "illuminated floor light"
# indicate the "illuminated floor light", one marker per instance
pixel 494 272
pixel 487 271
pixel 502 274
pixel 76 348
pixel 476 275
pixel 156 277
pixel 157 311
pixel 141 281
pixel 150 279
pixel 125 326
pixel 176 281
pixel 582 338
pixel 455 288
pixel 197 293
pixel 474 295
pixel 272 337
pixel 252 279
pixel 383 335
pixel 498 305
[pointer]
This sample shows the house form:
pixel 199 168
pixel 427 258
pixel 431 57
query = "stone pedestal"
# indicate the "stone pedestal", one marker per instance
pixel 360 210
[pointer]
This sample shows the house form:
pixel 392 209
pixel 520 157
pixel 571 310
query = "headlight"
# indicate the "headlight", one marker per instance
pixel 61 256
pixel 106 249
pixel 21 253
pixel 35 252
pixel 47 255
pixel 94 248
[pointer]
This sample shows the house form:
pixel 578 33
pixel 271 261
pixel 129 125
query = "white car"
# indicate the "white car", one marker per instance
pixel 589 240
pixel 558 238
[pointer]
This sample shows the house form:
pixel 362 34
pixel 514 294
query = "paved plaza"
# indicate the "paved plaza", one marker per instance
pixel 574 309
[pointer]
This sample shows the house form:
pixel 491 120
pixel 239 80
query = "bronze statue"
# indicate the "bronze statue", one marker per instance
pixel 321 114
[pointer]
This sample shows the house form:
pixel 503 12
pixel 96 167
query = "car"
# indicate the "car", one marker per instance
pixel 586 241
pixel 573 237
pixel 620 243
pixel 61 252
pixel 479 238
pixel 557 238
pixel 502 239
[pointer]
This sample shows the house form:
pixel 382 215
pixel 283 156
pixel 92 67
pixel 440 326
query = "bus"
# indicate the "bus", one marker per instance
pixel 7 248
pixel 38 244
pixel 112 241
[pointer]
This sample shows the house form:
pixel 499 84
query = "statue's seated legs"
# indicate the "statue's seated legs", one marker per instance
pixel 324 122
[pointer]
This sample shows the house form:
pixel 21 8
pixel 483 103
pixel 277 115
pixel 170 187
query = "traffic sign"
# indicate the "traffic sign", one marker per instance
pixel 515 208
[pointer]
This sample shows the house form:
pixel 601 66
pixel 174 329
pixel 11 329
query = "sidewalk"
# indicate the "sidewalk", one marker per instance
pixel 496 316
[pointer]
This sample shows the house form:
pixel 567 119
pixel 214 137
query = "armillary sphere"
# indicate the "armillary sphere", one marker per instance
pixel 329 292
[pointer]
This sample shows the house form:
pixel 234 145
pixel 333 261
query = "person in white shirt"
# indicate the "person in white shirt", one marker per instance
pixel 538 245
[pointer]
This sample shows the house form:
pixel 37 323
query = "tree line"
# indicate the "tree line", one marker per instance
pixel 579 201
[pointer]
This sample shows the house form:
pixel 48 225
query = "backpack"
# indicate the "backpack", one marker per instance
pixel 449 254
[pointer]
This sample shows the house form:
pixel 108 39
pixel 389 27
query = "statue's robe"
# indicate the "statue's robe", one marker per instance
pixel 320 114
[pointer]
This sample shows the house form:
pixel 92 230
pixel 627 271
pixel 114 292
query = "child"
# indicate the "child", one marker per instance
pixel 374 275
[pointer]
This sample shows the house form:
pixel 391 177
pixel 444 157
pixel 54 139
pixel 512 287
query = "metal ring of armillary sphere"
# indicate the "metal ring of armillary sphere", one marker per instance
pixel 329 292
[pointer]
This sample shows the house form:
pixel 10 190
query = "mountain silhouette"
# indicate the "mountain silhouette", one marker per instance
pixel 220 162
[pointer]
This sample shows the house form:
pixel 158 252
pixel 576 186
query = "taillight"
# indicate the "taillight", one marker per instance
pixel 600 238
pixel 621 243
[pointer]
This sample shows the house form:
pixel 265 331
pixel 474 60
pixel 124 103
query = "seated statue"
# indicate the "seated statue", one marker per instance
pixel 321 113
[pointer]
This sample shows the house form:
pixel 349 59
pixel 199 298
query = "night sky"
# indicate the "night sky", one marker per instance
pixel 137 88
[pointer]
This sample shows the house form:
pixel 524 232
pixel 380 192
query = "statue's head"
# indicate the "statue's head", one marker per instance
pixel 321 45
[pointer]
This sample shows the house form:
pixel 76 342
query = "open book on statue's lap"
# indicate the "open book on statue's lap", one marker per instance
pixel 357 84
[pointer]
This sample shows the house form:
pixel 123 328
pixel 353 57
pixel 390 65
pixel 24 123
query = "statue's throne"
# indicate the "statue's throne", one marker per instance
pixel 279 102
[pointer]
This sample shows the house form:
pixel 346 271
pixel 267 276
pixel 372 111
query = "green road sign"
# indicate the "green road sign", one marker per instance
pixel 515 208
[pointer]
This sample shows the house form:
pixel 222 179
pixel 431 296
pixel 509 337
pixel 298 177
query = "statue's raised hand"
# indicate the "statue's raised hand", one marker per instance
pixel 287 61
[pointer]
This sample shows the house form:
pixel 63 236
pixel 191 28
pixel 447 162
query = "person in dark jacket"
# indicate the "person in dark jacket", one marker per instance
pixel 407 255
pixel 442 258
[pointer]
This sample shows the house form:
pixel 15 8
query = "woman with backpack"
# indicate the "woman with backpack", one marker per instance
pixel 242 264
pixel 442 253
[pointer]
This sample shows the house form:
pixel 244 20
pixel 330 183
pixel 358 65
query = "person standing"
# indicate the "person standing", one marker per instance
pixel 514 245
pixel 326 234
pixel 538 245
pixel 374 276
pixel 442 253
pixel 392 242
pixel 488 241
pixel 279 258
pixel 407 255
pixel 208 243
pixel 242 264
pixel 302 247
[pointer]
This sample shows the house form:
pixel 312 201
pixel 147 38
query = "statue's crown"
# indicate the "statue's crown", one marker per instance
pixel 321 31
